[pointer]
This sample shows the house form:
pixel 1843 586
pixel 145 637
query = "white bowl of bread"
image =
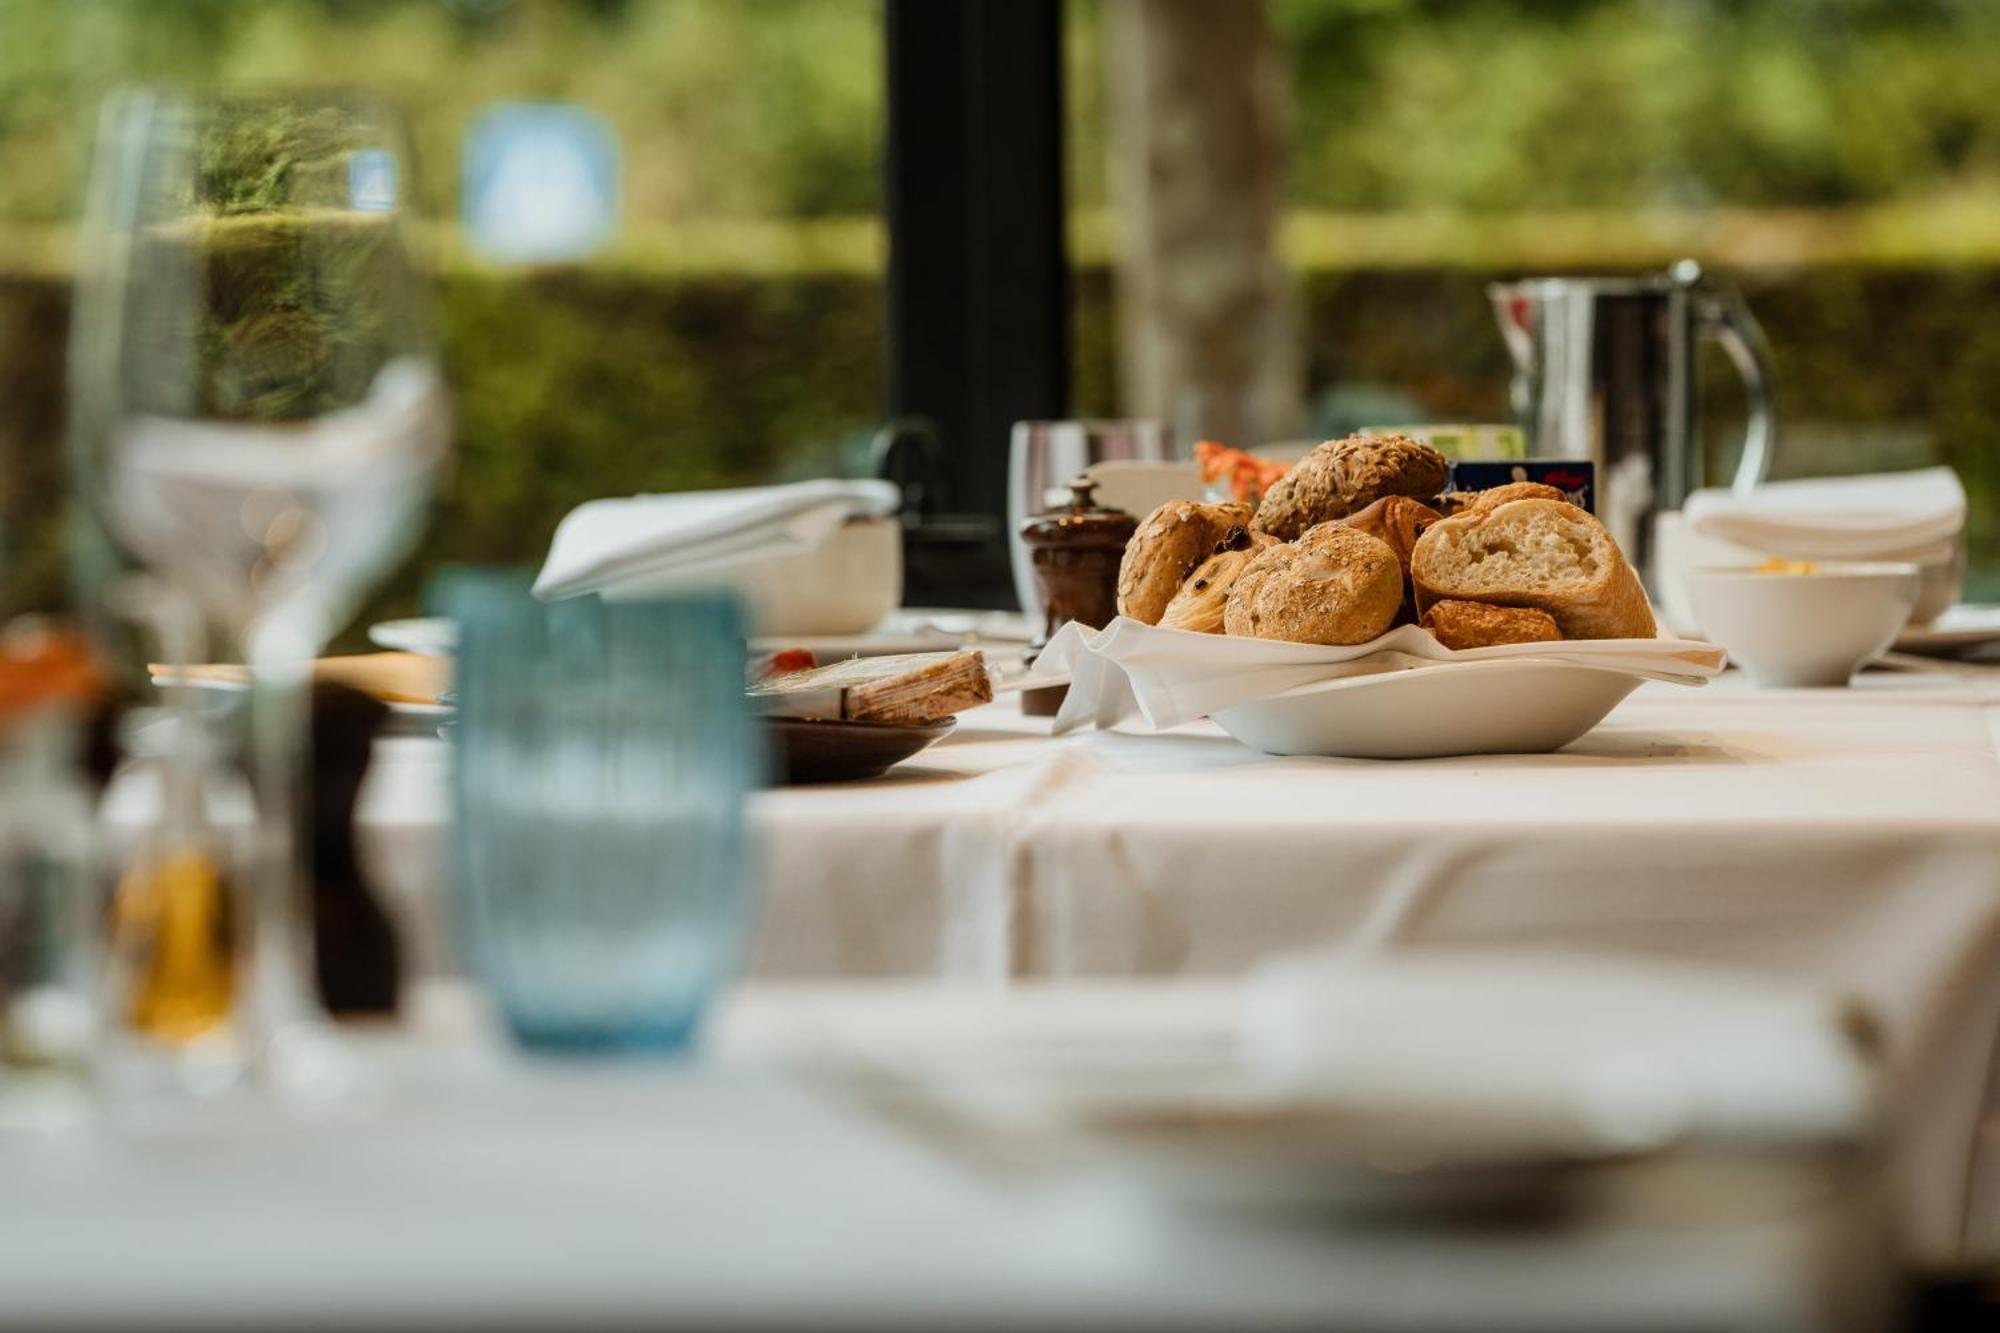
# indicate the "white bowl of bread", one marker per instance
pixel 1356 545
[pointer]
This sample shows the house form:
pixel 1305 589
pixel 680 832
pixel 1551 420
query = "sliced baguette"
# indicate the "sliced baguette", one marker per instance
pixel 1546 554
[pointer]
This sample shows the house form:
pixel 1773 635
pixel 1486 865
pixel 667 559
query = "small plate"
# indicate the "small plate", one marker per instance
pixel 1498 706
pixel 1964 626
pixel 810 750
pixel 911 630
pixel 403 719
pixel 433 636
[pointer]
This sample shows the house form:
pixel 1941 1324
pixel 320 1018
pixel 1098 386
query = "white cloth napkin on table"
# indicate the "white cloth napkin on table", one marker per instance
pixel 606 542
pixel 1171 676
pixel 1900 515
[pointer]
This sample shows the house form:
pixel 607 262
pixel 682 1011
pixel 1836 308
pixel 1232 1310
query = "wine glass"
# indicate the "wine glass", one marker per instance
pixel 258 415
pixel 1043 458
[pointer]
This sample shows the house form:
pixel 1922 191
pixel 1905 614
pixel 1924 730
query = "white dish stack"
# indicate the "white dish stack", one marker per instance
pixel 1899 517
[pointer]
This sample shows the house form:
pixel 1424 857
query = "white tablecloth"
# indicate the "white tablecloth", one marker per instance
pixel 1852 837
pixel 464 1189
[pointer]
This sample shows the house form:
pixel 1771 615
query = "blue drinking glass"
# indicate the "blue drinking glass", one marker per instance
pixel 603 755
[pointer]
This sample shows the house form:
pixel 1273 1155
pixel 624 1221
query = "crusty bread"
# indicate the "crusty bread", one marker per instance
pixel 1342 477
pixel 1476 625
pixel 1459 502
pixel 1165 549
pixel 1333 585
pixel 1198 605
pixel 1399 521
pixel 1541 553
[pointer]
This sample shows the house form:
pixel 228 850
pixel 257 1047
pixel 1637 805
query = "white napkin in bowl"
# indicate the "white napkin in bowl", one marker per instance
pixel 1902 515
pixel 606 542
pixel 1171 676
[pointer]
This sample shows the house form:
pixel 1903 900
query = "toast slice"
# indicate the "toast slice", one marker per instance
pixel 1545 554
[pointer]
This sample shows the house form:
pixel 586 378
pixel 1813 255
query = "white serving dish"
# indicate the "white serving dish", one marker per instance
pixel 402 719
pixel 845 585
pixel 428 636
pixel 1678 551
pixel 1523 706
pixel 1139 487
pixel 1967 625
pixel 1802 630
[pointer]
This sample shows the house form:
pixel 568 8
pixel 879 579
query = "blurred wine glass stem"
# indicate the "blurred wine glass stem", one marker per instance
pixel 296 1051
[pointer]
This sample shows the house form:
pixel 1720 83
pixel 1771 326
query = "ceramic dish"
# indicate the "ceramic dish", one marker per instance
pixel 808 751
pixel 403 719
pixel 1811 628
pixel 911 630
pixel 1523 706
pixel 1958 629
pixel 432 636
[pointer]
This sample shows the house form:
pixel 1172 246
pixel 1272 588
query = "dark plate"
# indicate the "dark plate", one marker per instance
pixel 809 751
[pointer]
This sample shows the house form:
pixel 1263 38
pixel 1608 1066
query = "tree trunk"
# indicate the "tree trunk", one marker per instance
pixel 1207 330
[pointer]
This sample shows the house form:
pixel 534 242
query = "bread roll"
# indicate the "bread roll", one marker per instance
pixel 1198 605
pixel 1165 549
pixel 1476 625
pixel 1540 553
pixel 1459 502
pixel 1342 477
pixel 1333 585
pixel 1399 521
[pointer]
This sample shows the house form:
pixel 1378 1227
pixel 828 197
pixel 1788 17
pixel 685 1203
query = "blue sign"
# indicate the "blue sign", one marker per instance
pixel 541 182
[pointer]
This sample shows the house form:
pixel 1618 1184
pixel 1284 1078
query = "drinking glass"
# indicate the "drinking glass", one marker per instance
pixel 1044 457
pixel 602 757
pixel 257 414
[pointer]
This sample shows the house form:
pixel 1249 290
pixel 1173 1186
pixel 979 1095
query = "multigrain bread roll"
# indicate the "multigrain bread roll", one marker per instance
pixel 1540 553
pixel 1342 477
pixel 1476 625
pixel 1459 502
pixel 1198 605
pixel 1176 537
pixel 1333 585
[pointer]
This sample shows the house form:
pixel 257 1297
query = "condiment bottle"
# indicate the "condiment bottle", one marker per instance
pixel 1076 551
pixel 175 916
pixel 48 906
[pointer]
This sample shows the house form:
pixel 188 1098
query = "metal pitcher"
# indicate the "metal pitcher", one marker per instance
pixel 1604 369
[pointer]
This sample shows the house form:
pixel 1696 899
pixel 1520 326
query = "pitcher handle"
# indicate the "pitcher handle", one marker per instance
pixel 1724 317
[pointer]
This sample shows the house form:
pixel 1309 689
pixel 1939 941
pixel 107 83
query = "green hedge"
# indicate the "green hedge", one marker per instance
pixel 573 384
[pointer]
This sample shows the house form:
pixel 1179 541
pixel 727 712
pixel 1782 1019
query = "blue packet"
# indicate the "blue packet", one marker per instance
pixel 1576 478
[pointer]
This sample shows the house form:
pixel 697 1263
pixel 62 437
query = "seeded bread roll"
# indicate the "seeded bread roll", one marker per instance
pixel 1198 605
pixel 1458 502
pixel 1342 477
pixel 1333 585
pixel 1175 538
pixel 1538 553
pixel 1476 625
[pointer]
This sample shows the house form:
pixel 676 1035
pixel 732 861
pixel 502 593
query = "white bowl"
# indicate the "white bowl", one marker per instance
pixel 1678 551
pixel 1502 706
pixel 1790 630
pixel 845 585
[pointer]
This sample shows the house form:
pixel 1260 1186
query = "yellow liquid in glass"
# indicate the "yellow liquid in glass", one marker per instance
pixel 177 908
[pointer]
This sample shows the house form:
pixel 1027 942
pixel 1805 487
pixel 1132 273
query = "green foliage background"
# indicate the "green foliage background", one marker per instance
pixel 1840 157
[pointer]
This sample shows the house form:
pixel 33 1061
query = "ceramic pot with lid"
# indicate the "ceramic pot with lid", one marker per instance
pixel 1075 552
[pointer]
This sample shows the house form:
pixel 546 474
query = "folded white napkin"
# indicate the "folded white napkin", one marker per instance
pixel 1901 515
pixel 607 542
pixel 1604 1053
pixel 1171 676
